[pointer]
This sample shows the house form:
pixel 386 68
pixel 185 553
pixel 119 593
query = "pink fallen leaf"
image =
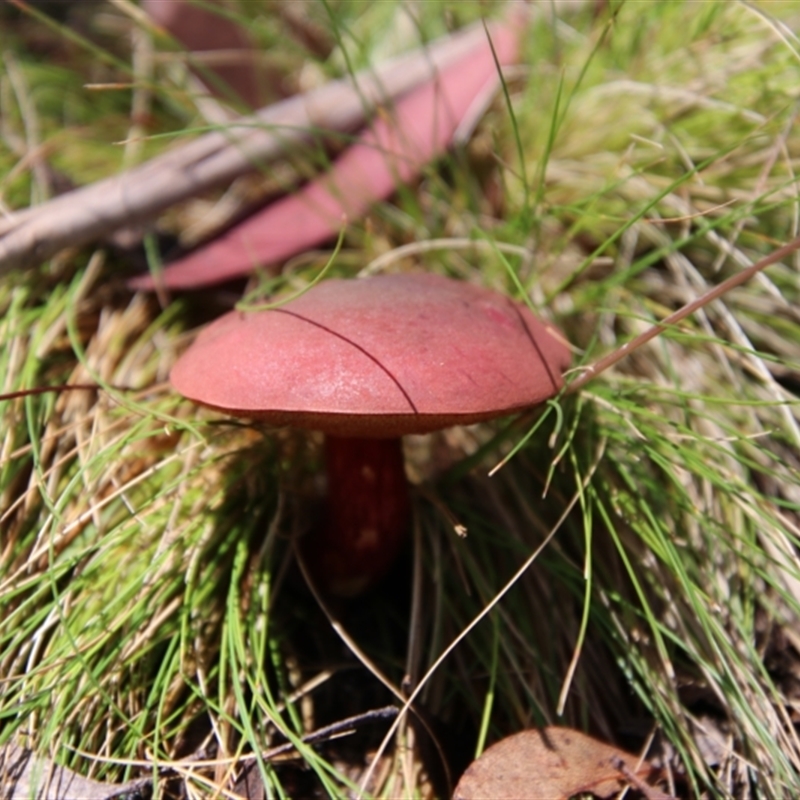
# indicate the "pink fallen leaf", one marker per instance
pixel 392 152
pixel 202 29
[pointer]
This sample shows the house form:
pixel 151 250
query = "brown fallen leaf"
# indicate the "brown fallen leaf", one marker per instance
pixel 26 776
pixel 554 764
pixel 392 152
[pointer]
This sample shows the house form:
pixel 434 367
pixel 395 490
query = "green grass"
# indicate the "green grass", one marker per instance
pixel 149 599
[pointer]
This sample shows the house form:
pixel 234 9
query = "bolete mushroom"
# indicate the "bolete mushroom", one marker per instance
pixel 366 362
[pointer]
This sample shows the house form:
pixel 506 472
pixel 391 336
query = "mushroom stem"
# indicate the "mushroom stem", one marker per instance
pixel 367 514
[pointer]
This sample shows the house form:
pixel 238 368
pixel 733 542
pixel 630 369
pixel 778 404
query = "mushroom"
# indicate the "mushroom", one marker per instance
pixel 366 362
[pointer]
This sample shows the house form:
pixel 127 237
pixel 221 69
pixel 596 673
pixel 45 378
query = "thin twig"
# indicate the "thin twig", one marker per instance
pixel 593 370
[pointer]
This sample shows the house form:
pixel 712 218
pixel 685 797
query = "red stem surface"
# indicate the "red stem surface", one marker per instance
pixel 367 514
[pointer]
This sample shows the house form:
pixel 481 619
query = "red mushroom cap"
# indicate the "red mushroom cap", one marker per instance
pixel 378 357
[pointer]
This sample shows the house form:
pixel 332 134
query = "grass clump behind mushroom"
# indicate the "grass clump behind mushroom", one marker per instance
pixel 144 610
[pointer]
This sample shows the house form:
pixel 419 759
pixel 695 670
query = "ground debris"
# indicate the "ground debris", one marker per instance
pixel 26 776
pixel 557 763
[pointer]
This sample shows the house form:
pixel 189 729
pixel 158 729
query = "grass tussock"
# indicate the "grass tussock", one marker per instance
pixel 151 607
